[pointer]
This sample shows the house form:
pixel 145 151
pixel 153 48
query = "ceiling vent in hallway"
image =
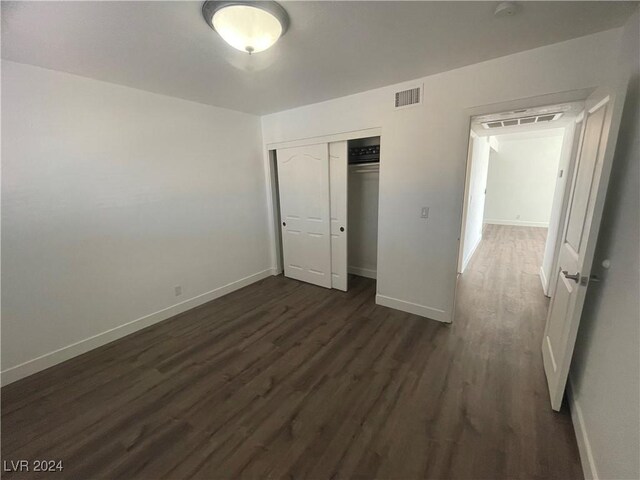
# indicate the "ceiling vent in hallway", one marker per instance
pixel 407 98
pixel 513 122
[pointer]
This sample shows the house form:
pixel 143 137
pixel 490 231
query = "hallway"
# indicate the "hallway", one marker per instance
pixel 503 279
pixel 500 313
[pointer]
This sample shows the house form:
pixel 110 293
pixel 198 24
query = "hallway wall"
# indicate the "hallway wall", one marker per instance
pixel 522 178
pixel 478 170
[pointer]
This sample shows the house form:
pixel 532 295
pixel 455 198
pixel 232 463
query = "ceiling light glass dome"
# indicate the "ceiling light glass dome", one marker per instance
pixel 246 25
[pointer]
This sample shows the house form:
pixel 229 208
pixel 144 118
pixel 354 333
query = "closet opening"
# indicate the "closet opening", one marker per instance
pixel 363 194
pixel 325 209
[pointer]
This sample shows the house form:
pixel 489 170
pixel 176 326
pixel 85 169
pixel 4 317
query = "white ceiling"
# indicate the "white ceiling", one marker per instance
pixel 331 49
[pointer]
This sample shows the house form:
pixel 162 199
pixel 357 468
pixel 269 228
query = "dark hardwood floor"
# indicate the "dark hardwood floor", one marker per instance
pixel 284 379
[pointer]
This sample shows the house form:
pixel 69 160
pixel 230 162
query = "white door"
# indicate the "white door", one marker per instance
pixel 303 182
pixel 338 174
pixel 554 239
pixel 580 233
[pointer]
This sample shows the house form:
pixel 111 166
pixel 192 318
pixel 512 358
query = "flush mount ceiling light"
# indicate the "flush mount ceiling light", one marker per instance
pixel 249 26
pixel 506 9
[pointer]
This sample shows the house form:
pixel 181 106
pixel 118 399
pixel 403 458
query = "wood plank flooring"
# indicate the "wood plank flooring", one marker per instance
pixel 287 380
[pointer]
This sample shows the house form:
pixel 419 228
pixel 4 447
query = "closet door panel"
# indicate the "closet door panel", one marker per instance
pixel 338 174
pixel 303 179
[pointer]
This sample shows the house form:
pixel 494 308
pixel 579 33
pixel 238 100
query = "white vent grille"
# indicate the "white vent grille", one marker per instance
pixel 513 122
pixel 409 97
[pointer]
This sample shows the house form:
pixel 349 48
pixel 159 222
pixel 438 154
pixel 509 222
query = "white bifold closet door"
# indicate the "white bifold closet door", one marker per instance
pixel 303 180
pixel 338 176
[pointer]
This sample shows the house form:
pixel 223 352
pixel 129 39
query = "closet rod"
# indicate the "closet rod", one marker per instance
pixel 365 164
pixel 364 168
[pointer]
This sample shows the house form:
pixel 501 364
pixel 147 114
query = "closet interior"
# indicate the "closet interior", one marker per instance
pixel 363 192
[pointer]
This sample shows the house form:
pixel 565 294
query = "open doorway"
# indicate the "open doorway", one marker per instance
pixel 499 289
pixel 516 178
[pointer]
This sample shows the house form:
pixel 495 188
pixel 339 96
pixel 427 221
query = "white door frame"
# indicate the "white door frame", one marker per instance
pixel 275 253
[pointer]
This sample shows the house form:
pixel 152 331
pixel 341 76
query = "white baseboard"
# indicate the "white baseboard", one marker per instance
pixel 545 283
pixel 415 308
pixel 65 353
pixel 584 446
pixel 518 223
pixel 465 261
pixel 363 272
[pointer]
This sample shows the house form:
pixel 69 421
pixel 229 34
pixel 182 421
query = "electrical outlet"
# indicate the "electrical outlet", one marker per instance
pixel 178 290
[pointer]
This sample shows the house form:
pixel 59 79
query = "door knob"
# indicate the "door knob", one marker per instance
pixel 342 229
pixel 575 277
pixel 284 224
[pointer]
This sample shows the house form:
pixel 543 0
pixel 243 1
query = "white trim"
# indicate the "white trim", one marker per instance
pixel 517 223
pixel 465 261
pixel 584 446
pixel 545 284
pixel 65 353
pixel 363 272
pixel 334 137
pixel 600 104
pixel 415 308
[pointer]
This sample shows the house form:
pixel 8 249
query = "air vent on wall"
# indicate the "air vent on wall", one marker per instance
pixel 512 122
pixel 406 98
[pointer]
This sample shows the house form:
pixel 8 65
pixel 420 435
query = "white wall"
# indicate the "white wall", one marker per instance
pixel 605 373
pixel 522 178
pixel 424 149
pixel 477 183
pixel 363 220
pixel 112 196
